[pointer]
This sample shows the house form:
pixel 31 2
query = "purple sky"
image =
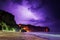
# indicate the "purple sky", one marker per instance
pixel 24 13
pixel 35 12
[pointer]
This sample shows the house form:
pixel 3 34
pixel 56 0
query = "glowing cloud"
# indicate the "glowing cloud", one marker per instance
pixel 26 13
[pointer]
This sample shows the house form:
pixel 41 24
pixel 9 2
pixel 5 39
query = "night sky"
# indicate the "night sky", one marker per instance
pixel 34 12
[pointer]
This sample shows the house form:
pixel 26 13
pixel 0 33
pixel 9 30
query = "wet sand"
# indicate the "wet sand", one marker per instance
pixel 18 36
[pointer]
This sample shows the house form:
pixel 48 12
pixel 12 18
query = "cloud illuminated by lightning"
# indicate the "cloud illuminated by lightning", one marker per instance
pixel 26 13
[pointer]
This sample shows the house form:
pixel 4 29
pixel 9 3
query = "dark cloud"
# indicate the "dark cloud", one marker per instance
pixel 49 10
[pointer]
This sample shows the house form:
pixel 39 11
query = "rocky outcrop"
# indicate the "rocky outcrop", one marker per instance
pixel 32 28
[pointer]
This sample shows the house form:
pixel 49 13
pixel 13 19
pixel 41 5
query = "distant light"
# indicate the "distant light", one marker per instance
pixel 27 30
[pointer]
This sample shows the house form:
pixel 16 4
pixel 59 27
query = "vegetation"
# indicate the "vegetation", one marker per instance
pixel 7 22
pixel 6 27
